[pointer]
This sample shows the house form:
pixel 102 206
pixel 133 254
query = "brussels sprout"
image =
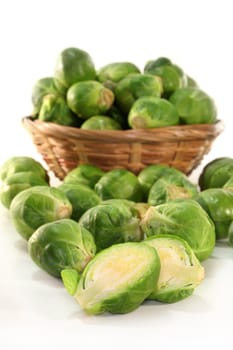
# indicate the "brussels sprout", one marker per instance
pixel 18 182
pixel 43 87
pixel 54 109
pixel 218 203
pixel 216 173
pixel 229 184
pixel 170 187
pixel 151 173
pixel 21 164
pixel 100 122
pixel 73 65
pixel 89 98
pixel 36 206
pixel 194 106
pixel 81 197
pixel 181 271
pixel 152 112
pixel 116 71
pixel 184 218
pixel 161 61
pixel 112 223
pixel 61 244
pixel 85 174
pixel 116 280
pixel 119 183
pixel 129 89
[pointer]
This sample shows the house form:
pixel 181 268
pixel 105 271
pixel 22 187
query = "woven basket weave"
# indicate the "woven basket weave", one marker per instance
pixel 63 148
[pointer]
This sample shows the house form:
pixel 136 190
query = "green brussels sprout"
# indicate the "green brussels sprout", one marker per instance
pixel 73 65
pixel 230 234
pixel 180 272
pixel 54 109
pixel 112 223
pixel 21 164
pixel 151 173
pixel 218 203
pixel 129 89
pixel 116 71
pixel 85 174
pixel 229 184
pixel 81 197
pixel 119 183
pixel 170 187
pixel 184 218
pixel 194 106
pixel 152 64
pixel 36 206
pixel 116 280
pixel 216 173
pixel 18 182
pixel 152 112
pixel 43 87
pixel 100 122
pixel 137 208
pixel 61 244
pixel 88 98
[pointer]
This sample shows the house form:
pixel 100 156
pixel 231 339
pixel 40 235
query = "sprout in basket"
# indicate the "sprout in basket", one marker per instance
pixel 85 174
pixel 89 98
pixel 218 203
pixel 100 122
pixel 181 271
pixel 119 183
pixel 60 245
pixel 152 112
pixel 111 223
pixel 73 65
pixel 43 87
pixel 151 173
pixel 116 71
pixel 129 89
pixel 54 109
pixel 184 218
pixel 81 197
pixel 116 280
pixel 36 206
pixel 18 182
pixel 194 106
pixel 216 173
pixel 21 164
pixel 170 187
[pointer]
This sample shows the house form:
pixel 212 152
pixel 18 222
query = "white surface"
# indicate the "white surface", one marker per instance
pixel 35 310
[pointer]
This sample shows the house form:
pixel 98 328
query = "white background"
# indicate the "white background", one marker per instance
pixel 35 310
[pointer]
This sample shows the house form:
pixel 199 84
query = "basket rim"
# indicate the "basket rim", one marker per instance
pixel 178 132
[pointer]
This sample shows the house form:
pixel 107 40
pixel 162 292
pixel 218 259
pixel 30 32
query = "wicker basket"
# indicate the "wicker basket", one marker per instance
pixel 63 148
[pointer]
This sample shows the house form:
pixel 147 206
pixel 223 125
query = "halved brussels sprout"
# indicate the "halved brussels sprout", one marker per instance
pixel 116 280
pixel 81 197
pixel 152 112
pixel 89 98
pixel 119 183
pixel 54 109
pixel 129 89
pixel 20 164
pixel 73 65
pixel 184 218
pixel 60 245
pixel 194 106
pixel 100 122
pixel 218 203
pixel 181 271
pixel 112 223
pixel 116 71
pixel 170 187
pixel 36 206
pixel 216 173
pixel 85 174
pixel 15 183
